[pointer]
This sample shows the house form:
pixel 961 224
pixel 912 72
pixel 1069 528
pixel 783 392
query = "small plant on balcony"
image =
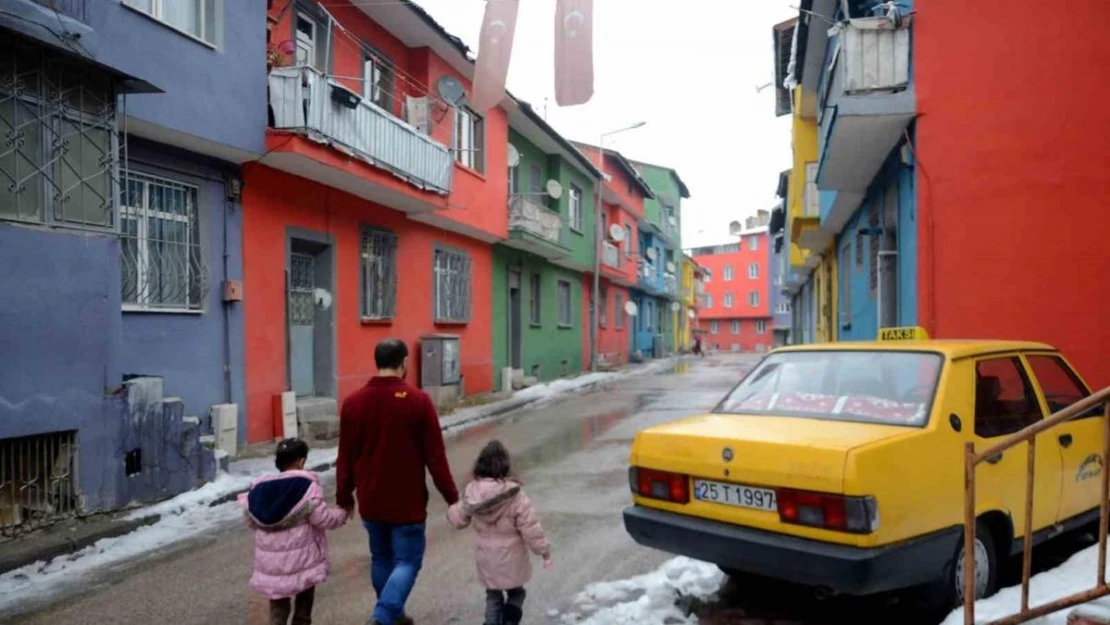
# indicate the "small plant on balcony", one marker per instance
pixel 279 54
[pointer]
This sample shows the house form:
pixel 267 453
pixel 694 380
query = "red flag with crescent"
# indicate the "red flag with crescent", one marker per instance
pixel 574 52
pixel 495 47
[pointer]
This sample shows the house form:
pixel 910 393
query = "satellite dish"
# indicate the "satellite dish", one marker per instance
pixel 675 306
pixel 514 156
pixel 674 222
pixel 670 267
pixel 616 233
pixel 451 90
pixel 691 314
pixel 631 309
pixel 554 189
pixel 650 253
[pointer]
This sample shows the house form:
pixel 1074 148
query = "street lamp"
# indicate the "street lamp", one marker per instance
pixel 598 235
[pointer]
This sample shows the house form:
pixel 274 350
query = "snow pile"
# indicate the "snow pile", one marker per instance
pixel 648 599
pixel 1075 575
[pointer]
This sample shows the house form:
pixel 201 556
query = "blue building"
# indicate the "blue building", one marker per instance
pixel 782 318
pixel 126 123
pixel 652 294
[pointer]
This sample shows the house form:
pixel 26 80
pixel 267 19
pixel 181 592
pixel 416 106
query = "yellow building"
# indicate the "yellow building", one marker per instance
pixel 684 334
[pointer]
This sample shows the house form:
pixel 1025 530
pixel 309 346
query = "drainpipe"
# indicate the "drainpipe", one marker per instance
pixel 228 398
pixel 598 234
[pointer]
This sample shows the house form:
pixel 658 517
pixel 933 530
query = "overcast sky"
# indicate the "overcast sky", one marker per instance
pixel 689 68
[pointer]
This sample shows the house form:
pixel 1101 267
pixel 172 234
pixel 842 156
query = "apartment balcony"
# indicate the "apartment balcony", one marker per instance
pixel 670 286
pixel 535 228
pixel 868 102
pixel 393 164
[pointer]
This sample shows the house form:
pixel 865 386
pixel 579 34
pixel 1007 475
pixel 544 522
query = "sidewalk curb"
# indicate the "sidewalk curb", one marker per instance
pixel 61 545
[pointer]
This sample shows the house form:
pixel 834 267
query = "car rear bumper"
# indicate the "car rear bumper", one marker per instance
pixel 841 568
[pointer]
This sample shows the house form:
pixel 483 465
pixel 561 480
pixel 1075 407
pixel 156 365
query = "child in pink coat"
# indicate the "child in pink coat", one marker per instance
pixel 507 528
pixel 289 518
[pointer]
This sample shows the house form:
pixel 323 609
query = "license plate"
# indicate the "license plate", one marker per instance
pixel 735 495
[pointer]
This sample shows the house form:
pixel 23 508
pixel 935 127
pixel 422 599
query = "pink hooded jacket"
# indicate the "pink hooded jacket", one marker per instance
pixel 507 529
pixel 289 518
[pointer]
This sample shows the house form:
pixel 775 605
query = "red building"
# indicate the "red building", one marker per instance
pixel 372 213
pixel 735 314
pixel 1012 186
pixel 622 208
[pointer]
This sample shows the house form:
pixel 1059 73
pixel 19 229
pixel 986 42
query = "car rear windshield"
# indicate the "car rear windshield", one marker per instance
pixel 894 388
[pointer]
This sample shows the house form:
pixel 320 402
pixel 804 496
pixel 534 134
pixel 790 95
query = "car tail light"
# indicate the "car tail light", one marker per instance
pixel 662 485
pixel 857 515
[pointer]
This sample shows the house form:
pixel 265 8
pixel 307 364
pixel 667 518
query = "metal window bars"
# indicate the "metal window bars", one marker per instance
pixel 161 255
pixel 379 274
pixel 452 286
pixel 58 143
pixel 1029 435
pixel 37 482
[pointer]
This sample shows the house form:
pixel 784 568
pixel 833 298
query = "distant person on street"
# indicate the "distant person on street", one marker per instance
pixel 388 435
pixel 507 528
pixel 697 347
pixel 289 518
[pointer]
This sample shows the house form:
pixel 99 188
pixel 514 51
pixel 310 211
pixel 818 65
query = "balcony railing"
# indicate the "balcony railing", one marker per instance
pixel 302 100
pixel 527 215
pixel 611 255
pixel 875 56
pixel 670 285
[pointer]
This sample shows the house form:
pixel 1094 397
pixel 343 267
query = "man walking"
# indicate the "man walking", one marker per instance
pixel 388 434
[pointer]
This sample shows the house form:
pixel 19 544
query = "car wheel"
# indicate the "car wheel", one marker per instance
pixel 947 592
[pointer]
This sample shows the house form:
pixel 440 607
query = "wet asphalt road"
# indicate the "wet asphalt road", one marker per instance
pixel 572 457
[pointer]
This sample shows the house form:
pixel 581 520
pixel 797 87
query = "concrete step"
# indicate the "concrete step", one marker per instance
pixel 317 418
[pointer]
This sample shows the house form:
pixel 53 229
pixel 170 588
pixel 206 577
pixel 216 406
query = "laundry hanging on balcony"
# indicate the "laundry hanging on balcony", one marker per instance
pixel 574 65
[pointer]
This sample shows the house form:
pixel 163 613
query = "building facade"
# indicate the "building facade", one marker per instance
pixel 663 222
pixel 914 216
pixel 736 315
pixel 128 345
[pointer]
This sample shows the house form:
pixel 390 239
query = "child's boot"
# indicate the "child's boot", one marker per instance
pixel 512 615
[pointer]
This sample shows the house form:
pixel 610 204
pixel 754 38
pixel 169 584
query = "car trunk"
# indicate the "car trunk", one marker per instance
pixel 766 453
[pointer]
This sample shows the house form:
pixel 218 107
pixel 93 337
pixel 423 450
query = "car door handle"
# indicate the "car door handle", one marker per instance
pixel 995 459
pixel 1065 440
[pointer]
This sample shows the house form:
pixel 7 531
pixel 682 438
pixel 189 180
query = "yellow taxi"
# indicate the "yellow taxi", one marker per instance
pixel 840 466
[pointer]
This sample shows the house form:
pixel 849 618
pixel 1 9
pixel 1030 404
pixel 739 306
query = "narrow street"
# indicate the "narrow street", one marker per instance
pixel 572 456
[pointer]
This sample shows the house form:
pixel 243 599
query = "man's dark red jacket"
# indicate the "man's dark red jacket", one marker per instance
pixel 388 433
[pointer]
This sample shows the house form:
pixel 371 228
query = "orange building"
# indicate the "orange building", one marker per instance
pixel 373 211
pixel 735 313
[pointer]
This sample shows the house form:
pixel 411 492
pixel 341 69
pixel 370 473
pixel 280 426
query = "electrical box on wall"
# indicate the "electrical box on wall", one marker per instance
pixel 233 290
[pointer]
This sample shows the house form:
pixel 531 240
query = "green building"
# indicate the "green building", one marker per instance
pixel 663 221
pixel 540 273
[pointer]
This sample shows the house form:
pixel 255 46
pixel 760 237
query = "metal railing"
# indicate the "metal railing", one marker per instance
pixel 301 99
pixel 1029 434
pixel 611 255
pixel 530 216
pixel 37 485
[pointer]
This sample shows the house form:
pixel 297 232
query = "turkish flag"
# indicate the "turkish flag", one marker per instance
pixel 495 47
pixel 574 52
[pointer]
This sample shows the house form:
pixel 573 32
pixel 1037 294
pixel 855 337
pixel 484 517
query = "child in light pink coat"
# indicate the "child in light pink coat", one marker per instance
pixel 289 518
pixel 507 527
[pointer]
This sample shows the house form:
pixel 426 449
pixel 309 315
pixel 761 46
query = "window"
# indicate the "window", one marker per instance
pixel 708 301
pixel 377 82
pixel 811 202
pixel 603 312
pixel 575 207
pixel 514 179
pixel 1004 398
pixel 778 279
pixel 618 310
pixel 470 130
pixel 535 301
pixel 379 274
pixel 728 300
pixel 628 240
pixel 727 273
pixel 196 18
pixel 1059 384
pixel 452 285
pixel 753 243
pixel 306 28
pixel 161 259
pixel 735 327
pixel 40 183
pixel 713 327
pixel 846 281
pixel 784 307
pixel 753 299
pixel 564 304
pixel 753 271
pixel 760 326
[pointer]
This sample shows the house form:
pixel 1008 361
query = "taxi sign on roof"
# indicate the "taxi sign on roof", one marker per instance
pixel 908 333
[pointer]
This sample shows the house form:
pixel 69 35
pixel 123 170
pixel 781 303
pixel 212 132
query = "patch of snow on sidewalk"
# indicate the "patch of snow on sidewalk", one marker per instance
pixel 648 599
pixel 1075 575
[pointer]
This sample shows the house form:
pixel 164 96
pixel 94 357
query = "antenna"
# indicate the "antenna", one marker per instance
pixel 554 189
pixel 451 90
